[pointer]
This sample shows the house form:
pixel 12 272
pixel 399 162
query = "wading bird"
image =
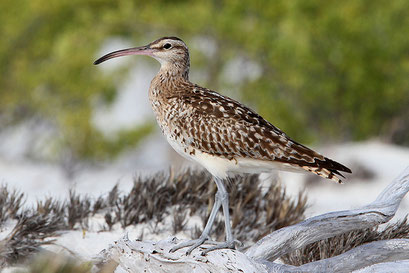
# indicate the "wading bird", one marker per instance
pixel 219 133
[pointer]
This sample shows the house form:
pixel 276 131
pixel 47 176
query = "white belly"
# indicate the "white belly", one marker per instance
pixel 221 167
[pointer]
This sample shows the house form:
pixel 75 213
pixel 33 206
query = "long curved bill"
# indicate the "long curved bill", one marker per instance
pixel 142 50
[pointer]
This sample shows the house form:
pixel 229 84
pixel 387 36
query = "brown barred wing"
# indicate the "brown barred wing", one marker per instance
pixel 224 127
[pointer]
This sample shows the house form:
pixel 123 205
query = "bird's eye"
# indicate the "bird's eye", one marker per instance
pixel 167 46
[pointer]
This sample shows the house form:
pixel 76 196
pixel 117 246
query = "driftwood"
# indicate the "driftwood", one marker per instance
pixel 378 256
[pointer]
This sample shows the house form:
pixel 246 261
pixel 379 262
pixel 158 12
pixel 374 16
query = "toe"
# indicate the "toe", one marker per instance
pixel 192 243
pixel 199 242
pixel 227 244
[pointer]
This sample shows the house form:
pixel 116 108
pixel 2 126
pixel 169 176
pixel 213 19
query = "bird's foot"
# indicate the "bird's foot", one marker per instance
pixel 198 242
pixel 228 244
pixel 192 243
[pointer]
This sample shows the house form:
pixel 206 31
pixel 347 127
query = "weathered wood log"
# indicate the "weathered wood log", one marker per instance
pixel 359 257
pixel 145 256
pixel 137 256
pixel 396 267
pixel 327 225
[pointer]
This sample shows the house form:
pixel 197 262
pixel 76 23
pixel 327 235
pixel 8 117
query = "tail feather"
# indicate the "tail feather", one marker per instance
pixel 329 169
pixel 335 166
pixel 325 173
pixel 326 168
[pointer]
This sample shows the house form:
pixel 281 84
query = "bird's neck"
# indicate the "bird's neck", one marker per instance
pixel 175 70
pixel 169 81
pixel 171 75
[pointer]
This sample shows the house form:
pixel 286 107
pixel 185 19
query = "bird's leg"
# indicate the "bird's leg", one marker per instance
pixel 205 234
pixel 221 199
pixel 223 196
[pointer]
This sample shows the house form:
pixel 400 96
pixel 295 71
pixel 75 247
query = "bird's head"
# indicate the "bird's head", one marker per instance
pixel 171 52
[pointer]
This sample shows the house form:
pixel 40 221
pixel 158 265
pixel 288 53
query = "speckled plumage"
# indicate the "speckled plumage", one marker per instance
pixel 221 134
pixel 198 120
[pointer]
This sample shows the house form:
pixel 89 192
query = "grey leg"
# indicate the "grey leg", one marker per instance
pixel 221 199
pixel 223 196
pixel 205 234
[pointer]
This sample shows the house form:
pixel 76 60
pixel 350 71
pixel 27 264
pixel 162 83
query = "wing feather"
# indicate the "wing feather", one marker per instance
pixel 222 126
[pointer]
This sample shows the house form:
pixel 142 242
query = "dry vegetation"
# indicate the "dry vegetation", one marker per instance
pixel 256 211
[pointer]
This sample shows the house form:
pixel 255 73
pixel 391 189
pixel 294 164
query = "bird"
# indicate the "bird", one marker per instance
pixel 219 133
